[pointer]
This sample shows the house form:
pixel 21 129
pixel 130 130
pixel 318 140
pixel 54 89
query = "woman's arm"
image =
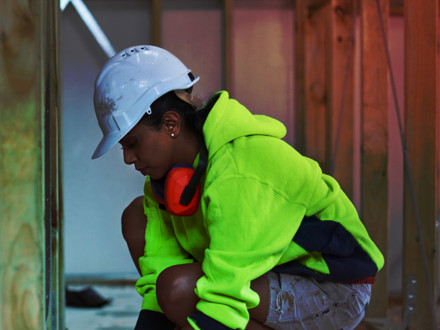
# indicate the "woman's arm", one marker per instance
pixel 250 226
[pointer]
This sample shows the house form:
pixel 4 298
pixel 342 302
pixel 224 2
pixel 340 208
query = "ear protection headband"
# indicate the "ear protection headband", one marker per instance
pixel 179 192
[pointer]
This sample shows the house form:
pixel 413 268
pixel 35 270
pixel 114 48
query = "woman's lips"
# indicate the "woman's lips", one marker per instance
pixel 144 170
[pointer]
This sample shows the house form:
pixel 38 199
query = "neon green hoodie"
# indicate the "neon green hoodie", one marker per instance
pixel 263 207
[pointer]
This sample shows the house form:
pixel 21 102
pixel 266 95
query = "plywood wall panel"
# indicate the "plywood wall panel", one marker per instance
pixel 21 186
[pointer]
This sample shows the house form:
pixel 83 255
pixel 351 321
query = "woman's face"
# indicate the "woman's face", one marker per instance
pixel 149 150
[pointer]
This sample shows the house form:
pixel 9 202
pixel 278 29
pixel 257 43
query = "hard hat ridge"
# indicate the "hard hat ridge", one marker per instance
pixel 127 86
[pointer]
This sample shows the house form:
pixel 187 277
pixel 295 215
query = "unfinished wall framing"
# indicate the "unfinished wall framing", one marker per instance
pixel 318 36
pixel 30 203
pixel 324 86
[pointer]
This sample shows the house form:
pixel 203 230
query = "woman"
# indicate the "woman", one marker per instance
pixel 236 229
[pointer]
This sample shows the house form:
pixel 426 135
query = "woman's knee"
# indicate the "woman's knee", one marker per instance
pixel 175 291
pixel 133 219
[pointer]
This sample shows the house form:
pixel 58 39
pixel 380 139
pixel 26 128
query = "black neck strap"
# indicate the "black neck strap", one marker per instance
pixel 190 190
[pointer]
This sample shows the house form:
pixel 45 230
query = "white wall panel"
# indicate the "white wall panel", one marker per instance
pixel 263 58
pixel 192 30
pixel 95 192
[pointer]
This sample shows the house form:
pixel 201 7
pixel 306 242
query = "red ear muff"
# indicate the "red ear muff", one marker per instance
pixel 179 190
pixel 177 180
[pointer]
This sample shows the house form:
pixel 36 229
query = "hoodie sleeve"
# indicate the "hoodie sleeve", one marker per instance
pixel 162 250
pixel 247 240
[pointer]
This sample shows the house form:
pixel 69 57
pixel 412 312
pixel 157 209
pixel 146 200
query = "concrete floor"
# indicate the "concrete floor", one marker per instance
pixel 120 314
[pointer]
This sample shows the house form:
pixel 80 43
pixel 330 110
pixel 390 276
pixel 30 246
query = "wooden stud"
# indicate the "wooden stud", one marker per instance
pixel 374 141
pixel 421 133
pixel 315 92
pixel 340 42
pixel 52 169
pixel 316 4
pixel 300 64
pixel 228 8
pixel 396 7
pixel 156 22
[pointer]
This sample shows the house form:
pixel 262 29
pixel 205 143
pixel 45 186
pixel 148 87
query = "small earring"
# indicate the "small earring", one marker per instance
pixel 172 134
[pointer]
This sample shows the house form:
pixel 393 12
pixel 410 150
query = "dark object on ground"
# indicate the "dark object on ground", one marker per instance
pixel 85 298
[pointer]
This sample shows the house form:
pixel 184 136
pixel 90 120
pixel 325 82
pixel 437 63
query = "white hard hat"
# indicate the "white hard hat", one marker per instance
pixel 127 86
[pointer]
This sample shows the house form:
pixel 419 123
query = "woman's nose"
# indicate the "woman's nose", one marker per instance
pixel 129 157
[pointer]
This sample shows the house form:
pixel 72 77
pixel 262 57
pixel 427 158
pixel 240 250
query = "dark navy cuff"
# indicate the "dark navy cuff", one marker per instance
pixel 150 320
pixel 204 322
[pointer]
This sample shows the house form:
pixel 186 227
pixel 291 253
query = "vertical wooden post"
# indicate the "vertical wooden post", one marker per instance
pixel 421 111
pixel 300 64
pixel 156 22
pixel 340 42
pixel 374 141
pixel 29 288
pixel 51 104
pixel 228 8
pixel 315 92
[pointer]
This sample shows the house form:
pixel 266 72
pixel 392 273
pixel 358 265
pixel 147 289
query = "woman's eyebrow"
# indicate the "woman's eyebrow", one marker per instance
pixel 127 136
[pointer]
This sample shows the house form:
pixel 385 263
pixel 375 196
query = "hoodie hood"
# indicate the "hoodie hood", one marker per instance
pixel 229 120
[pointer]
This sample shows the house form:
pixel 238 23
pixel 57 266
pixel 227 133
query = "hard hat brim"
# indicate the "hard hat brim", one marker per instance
pixel 107 142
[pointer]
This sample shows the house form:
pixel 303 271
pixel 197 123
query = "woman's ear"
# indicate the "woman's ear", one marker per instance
pixel 171 122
